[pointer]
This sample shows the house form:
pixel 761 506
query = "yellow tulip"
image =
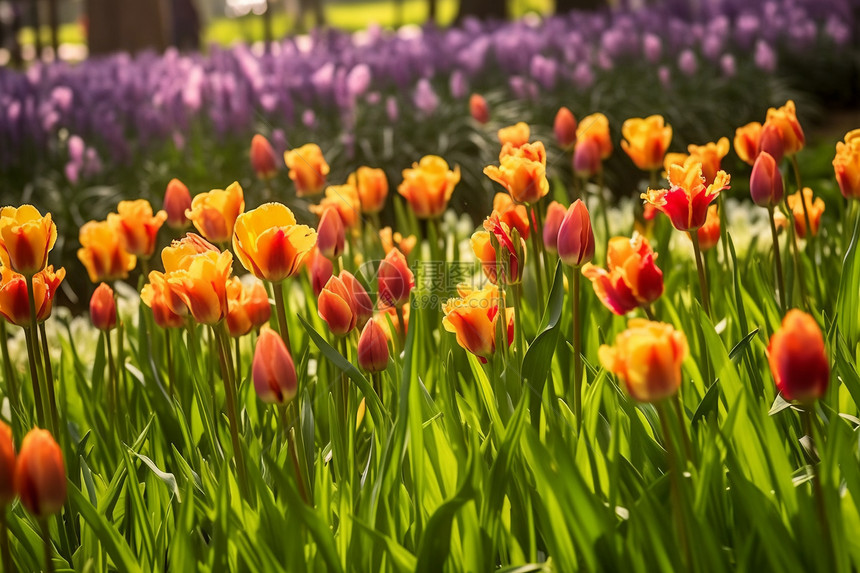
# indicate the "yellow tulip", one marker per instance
pixel 270 244
pixel 26 238
pixel 214 213
pixel 102 252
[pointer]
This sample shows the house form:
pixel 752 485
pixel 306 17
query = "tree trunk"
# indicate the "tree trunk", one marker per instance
pixel 127 25
pixel 483 9
pixel 563 6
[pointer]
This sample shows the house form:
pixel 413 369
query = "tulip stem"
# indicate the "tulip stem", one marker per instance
pixel 112 382
pixel 46 539
pixel 703 278
pixel 679 411
pixel 281 309
pixel 820 507
pixel 12 389
pixel 518 323
pixel 721 209
pixel 812 242
pixel 171 369
pixel 49 380
pixel 777 261
pixel 536 241
pixel 293 427
pixel 602 202
pixel 795 254
pixel 8 565
pixel 575 277
pixel 34 377
pixel 402 322
pixel 230 393
pixel 676 492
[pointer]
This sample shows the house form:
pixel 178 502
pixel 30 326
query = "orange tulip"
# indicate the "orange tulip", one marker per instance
pixel 595 128
pixel 709 233
pixel 631 278
pixel 846 165
pixel 330 234
pixel 7 466
pixel 428 186
pixel 771 142
pixel 343 198
pixel 387 317
pixel 372 186
pixel 814 208
pixel 766 185
pixel 203 285
pixel 747 141
pixel 513 215
pixel 14 298
pixel 177 200
pixel 273 371
pixel 179 253
pixel 247 307
pixel 320 269
pixel 554 216
pixel 523 178
pixel 269 244
pixel 360 299
pixel 103 308
pixel 168 310
pixel 785 118
pixel 395 279
pixel 479 109
pixel 26 238
pixel 308 169
pixel 136 226
pixel 575 241
pixel 646 141
pixel 373 353
pixel 392 240
pixel 517 135
pixel 40 476
pixel 647 357
pixel 337 307
pixel 709 155
pixel 513 257
pixel 527 151
pixel 263 159
pixel 686 201
pixel 564 127
pixel 214 213
pixel 798 359
pixel 102 252
pixel 472 318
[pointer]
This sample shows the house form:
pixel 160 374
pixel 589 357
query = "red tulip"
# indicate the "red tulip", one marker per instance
pixel 479 109
pixel 798 359
pixel 766 181
pixel 564 127
pixel 575 236
pixel 263 158
pixel 177 200
pixel 373 354
pixel 273 371
pixel 395 279
pixel 40 477
pixel 103 308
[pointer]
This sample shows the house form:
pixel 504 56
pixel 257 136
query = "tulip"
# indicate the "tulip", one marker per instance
pixel 647 357
pixel 846 165
pixel 564 127
pixel 102 252
pixel 136 226
pixel 513 257
pixel 646 141
pixel 320 269
pixel 177 200
pixel 814 209
pixel 595 127
pixel 527 151
pixel 308 169
pixel 269 244
pixel 26 238
pixel 586 158
pixel 472 318
pixel 263 159
pixel 373 354
pixel 517 135
pixel 575 243
pixel 391 240
pixel 14 298
pixel 344 199
pixel 214 213
pixel 7 466
pixel 360 299
pixel 372 186
pixel 798 359
pixel 523 178
pixel 747 141
pixel 709 155
pixel 785 118
pixel 179 254
pixel 395 279
pixel 555 213
pixel 248 307
pixel 428 186
pixel 686 201
pixel 631 278
pixel 513 215
pixel 709 233
pixel 40 477
pixel 330 234
pixel 203 286
pixel 337 307
pixel 479 109
pixel 387 316
pixel 766 185
pixel 273 371
pixel 159 297
pixel 771 142
pixel 103 308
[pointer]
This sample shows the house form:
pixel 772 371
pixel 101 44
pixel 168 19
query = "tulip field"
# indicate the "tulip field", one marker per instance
pixel 578 341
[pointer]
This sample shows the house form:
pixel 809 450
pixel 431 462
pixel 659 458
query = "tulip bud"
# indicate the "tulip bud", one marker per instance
pixel 7 465
pixel 337 307
pixel 263 158
pixel 40 477
pixel 586 158
pixel 360 298
pixel 479 109
pixel 273 371
pixel 395 279
pixel 575 236
pixel 554 216
pixel 320 269
pixel 771 142
pixel 330 234
pixel 103 308
pixel 798 359
pixel 177 200
pixel 373 348
pixel 564 127
pixel 766 181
